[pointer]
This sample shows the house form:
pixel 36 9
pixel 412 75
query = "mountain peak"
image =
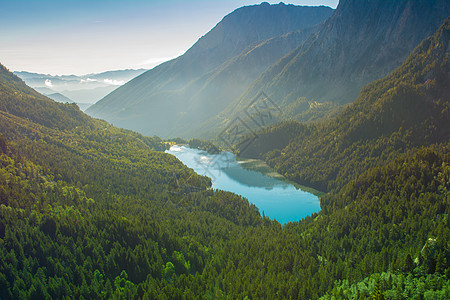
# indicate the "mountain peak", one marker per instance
pixel 250 24
pixel 362 41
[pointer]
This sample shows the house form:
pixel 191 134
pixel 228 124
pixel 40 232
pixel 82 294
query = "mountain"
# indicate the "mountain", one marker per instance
pixel 59 98
pixel 82 89
pixel 229 80
pixel 177 95
pixel 44 90
pixel 363 41
pixel 400 113
pixel 90 95
pixel 119 75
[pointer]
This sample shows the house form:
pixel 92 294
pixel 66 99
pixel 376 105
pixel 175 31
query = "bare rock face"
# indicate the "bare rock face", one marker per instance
pixel 363 41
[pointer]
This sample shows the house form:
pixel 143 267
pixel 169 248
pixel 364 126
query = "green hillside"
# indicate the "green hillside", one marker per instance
pixel 83 203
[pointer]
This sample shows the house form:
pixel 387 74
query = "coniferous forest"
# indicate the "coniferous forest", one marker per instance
pixel 92 211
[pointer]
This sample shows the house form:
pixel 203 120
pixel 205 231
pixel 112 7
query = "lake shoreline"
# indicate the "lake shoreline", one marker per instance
pixel 275 196
pixel 261 166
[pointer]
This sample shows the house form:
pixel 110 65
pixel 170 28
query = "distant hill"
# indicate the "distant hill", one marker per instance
pixel 89 95
pixel 59 98
pixel 44 90
pixel 121 75
pixel 84 106
pixel 400 113
pixel 178 95
pixel 63 99
pixel 81 89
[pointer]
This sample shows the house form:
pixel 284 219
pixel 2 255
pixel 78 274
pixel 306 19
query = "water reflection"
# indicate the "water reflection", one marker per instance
pixel 278 199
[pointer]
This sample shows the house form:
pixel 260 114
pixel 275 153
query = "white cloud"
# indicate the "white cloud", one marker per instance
pixel 88 80
pixel 113 81
pixel 107 81
pixel 48 83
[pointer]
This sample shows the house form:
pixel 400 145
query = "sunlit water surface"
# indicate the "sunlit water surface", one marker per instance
pixel 278 199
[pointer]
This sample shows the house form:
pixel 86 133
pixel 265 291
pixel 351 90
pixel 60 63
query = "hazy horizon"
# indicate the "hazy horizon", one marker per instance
pixel 84 37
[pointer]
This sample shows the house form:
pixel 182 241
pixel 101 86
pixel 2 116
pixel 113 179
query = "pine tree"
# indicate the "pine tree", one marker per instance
pixel 377 293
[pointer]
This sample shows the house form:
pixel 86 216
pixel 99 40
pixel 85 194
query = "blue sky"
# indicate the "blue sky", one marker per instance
pixel 87 36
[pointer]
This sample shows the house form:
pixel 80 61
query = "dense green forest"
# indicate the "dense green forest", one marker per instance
pixel 90 211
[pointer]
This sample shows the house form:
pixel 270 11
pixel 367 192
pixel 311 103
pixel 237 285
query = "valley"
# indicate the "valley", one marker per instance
pixel 198 190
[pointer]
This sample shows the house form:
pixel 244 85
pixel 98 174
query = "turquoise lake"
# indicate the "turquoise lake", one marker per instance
pixel 277 198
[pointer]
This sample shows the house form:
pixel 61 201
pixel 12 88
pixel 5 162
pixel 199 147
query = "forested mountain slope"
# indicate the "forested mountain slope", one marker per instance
pixel 403 111
pixel 83 203
pixel 188 90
